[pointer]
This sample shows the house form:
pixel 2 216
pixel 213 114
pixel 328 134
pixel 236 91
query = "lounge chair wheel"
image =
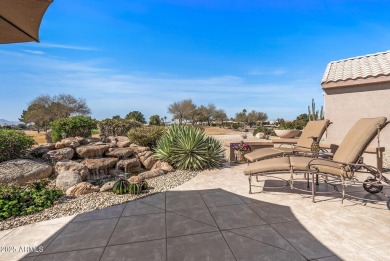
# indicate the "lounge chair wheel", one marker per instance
pixel 388 203
pixel 373 189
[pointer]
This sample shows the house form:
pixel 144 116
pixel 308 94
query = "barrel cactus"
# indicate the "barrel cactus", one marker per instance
pixel 135 188
pixel 144 185
pixel 121 186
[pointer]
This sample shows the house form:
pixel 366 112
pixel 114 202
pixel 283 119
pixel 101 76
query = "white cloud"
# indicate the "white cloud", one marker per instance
pixel 64 46
pixel 34 52
pixel 262 71
pixel 110 92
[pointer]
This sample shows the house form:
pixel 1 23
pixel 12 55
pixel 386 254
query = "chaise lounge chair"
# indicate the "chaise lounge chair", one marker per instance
pixel 343 165
pixel 312 129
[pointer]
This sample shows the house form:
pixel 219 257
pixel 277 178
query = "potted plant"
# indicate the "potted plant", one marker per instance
pixel 290 129
pixel 239 150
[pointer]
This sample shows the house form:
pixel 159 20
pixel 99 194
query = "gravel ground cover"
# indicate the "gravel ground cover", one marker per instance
pixel 68 206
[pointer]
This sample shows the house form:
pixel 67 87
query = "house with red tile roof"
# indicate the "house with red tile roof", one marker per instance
pixel 355 88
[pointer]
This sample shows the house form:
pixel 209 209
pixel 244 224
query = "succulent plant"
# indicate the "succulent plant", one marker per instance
pixel 144 185
pixel 135 188
pixel 121 186
pixel 186 147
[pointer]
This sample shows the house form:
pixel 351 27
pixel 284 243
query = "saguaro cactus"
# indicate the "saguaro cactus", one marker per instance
pixel 313 114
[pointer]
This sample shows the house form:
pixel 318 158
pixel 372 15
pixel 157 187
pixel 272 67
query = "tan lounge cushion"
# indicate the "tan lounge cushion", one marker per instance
pixel 268 165
pixel 301 163
pixel 332 168
pixel 357 139
pixel 312 129
pixel 264 153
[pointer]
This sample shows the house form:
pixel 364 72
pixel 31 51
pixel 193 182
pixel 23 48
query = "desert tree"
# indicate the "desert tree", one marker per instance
pixel 45 109
pixel 182 110
pixel 136 116
pixel 220 115
pixel 256 116
pixel 155 120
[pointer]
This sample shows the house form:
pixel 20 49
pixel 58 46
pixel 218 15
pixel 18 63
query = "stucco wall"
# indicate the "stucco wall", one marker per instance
pixel 345 106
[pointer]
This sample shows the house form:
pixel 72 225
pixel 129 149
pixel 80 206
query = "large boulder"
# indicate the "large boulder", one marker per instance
pixel 67 179
pixel 72 166
pixel 87 141
pixel 81 189
pixel 42 149
pixel 123 144
pixel 92 151
pixel 21 171
pixel 147 159
pixel 107 186
pixel 71 142
pixel 150 174
pixel 117 138
pixel 120 153
pixel 140 149
pixel 164 166
pixel 129 165
pixel 60 154
pixel 99 168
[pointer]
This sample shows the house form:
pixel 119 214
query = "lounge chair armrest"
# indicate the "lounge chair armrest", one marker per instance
pixel 311 166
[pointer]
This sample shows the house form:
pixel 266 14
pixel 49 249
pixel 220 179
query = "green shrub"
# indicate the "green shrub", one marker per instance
pixel 292 125
pixel 117 126
pixel 14 144
pixel 263 129
pixel 236 126
pixel 72 127
pixel 185 147
pixel 146 136
pixel 19 201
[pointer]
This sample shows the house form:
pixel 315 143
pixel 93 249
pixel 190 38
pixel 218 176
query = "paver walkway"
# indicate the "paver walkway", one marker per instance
pixel 212 217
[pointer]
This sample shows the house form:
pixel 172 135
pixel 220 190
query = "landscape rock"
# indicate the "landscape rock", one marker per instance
pixel 260 135
pixel 67 179
pixel 72 166
pixel 81 189
pixel 92 151
pixel 22 171
pixel 71 142
pixel 151 174
pixel 120 152
pixel 42 149
pixel 134 180
pixel 99 167
pixel 60 154
pixel 129 165
pixel 141 149
pixel 122 139
pixel 147 159
pixel 107 186
pixel 123 144
pixel 87 141
pixel 114 172
pixel 163 165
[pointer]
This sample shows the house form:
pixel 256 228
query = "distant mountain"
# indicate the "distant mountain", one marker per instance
pixel 5 122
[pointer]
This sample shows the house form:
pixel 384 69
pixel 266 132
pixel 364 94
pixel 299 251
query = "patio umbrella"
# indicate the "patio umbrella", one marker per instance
pixel 20 20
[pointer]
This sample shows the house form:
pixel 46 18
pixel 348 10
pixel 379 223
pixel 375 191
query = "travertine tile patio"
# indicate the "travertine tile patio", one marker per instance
pixel 212 217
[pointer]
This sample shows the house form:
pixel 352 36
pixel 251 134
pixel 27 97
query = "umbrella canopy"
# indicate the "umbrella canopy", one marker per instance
pixel 20 20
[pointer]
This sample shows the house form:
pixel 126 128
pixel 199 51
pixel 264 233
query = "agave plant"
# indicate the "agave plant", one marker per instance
pixel 187 147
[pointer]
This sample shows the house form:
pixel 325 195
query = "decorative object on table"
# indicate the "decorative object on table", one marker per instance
pixel 290 129
pixel 315 146
pixel 121 186
pixel 239 150
pixel 244 136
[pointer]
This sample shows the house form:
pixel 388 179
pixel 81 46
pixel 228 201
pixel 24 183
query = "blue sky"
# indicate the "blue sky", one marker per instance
pixel 144 55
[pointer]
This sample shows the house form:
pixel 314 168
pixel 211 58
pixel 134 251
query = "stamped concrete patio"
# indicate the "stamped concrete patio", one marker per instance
pixel 212 217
